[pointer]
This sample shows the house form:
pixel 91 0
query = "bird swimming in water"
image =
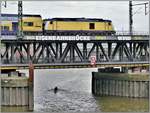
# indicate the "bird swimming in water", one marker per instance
pixel 55 89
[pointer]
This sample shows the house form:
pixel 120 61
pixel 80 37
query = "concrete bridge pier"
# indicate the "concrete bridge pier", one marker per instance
pixel 17 91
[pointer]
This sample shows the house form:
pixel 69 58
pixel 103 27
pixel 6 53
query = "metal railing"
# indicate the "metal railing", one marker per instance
pixel 122 33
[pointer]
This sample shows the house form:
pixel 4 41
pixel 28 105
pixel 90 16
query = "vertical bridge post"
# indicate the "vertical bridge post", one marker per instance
pixel 31 87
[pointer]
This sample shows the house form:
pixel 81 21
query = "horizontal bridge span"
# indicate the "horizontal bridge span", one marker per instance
pixel 74 65
pixel 77 37
pixel 65 41
pixel 73 52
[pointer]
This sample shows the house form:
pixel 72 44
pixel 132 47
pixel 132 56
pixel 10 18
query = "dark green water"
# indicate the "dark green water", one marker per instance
pixel 122 104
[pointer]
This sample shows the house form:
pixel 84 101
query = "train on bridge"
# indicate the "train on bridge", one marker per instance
pixel 35 25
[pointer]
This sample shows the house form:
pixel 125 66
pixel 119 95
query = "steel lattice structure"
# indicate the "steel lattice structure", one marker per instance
pixel 48 51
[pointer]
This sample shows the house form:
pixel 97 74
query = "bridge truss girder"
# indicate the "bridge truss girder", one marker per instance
pixel 42 52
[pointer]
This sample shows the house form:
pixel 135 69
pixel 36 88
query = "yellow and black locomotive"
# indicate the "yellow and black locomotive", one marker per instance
pixel 34 25
pixel 77 26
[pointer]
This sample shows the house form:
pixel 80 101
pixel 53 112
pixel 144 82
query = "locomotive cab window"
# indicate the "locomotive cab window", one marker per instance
pixel 91 25
pixel 109 23
pixel 28 23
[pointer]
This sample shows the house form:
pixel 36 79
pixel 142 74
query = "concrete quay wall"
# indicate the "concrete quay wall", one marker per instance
pixel 105 85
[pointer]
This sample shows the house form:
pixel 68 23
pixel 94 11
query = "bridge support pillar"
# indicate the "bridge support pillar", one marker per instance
pixel 85 51
pixel 17 91
pixel 71 54
pixel 28 53
pixel 31 87
pixel 12 53
pixel 121 53
pixel 109 51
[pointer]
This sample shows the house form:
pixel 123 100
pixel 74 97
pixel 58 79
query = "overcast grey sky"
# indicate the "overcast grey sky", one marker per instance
pixel 117 11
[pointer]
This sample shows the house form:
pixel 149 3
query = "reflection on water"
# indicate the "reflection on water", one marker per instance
pixel 74 93
pixel 64 100
pixel 122 104
pixel 14 109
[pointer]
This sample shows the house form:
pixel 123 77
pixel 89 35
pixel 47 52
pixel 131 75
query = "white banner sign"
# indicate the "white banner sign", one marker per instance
pixel 63 37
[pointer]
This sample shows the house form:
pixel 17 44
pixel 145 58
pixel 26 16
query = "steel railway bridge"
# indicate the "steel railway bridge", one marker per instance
pixel 74 54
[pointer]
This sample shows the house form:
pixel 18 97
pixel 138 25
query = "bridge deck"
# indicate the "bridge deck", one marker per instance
pixel 75 65
pixel 63 41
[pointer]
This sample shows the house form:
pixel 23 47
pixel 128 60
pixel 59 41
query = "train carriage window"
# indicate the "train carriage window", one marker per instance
pixel 5 28
pixel 91 25
pixel 28 23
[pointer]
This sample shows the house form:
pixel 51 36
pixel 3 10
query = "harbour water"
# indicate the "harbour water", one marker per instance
pixel 74 90
pixel 74 93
